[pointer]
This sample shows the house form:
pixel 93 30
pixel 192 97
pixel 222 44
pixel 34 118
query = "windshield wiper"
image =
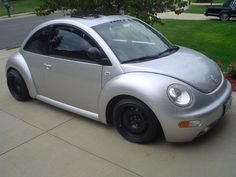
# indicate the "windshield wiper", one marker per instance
pixel 168 51
pixel 141 59
pixel 146 58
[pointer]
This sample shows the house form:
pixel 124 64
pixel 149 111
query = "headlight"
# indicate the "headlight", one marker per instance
pixel 179 95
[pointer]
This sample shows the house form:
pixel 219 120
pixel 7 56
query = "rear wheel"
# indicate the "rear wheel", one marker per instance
pixel 224 17
pixel 135 121
pixel 17 86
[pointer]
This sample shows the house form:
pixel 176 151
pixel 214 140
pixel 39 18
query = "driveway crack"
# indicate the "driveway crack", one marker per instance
pixel 22 144
pixel 93 154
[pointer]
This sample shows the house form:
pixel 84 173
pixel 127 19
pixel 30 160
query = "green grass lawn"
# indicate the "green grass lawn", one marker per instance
pixel 219 1
pixel 215 39
pixel 20 6
pixel 196 9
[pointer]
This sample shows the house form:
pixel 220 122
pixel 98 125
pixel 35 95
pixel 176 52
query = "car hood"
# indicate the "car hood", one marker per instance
pixel 186 65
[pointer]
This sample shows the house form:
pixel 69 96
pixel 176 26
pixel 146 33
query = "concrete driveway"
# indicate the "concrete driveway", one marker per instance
pixel 38 140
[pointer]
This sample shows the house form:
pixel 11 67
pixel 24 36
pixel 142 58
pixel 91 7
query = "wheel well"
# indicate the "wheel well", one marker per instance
pixel 224 12
pixel 114 101
pixel 111 105
pixel 9 69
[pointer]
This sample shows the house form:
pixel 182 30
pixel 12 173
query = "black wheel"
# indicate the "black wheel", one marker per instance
pixel 17 86
pixel 224 17
pixel 135 121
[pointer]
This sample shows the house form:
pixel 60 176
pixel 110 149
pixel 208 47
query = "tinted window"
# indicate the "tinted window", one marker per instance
pixel 38 43
pixel 233 4
pixel 62 41
pixel 68 42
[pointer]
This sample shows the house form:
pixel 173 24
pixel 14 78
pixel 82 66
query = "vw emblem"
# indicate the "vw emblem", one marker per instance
pixel 215 80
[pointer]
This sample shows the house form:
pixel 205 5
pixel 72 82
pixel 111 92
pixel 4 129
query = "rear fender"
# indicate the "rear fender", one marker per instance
pixel 17 62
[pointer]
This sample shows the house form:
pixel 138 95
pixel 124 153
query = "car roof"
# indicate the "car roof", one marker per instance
pixel 95 20
pixel 88 21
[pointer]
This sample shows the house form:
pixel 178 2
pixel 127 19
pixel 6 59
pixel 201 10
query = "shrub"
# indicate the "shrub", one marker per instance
pixel 232 70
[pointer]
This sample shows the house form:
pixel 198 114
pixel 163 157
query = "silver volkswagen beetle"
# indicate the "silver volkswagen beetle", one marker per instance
pixel 118 70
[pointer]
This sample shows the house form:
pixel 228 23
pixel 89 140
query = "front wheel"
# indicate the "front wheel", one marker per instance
pixel 135 121
pixel 17 86
pixel 224 17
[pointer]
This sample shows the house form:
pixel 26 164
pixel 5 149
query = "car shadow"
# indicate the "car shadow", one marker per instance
pixel 203 140
pixel 71 114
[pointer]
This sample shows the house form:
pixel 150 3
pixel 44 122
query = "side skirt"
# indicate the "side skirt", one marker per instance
pixel 69 108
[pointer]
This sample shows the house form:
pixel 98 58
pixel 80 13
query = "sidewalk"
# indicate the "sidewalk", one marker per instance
pixel 184 16
pixel 205 4
pixel 23 15
pixel 38 140
pixel 187 16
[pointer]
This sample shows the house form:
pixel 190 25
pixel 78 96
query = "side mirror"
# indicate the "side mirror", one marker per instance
pixel 94 54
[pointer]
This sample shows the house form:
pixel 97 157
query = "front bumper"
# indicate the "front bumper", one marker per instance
pixel 210 125
pixel 208 116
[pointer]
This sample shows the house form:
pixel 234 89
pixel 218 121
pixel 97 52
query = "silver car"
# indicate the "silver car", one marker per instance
pixel 118 70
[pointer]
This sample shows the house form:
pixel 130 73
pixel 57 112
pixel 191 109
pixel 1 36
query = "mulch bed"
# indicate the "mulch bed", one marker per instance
pixel 232 81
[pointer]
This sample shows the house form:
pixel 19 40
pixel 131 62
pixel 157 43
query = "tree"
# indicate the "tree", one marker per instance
pixel 143 9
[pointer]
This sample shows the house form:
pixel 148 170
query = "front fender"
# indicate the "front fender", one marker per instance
pixel 225 11
pixel 17 61
pixel 150 88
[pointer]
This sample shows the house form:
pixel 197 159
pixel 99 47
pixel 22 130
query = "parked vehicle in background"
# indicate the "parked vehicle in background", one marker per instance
pixel 224 12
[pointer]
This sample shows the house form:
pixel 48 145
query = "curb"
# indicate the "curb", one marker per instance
pixel 15 16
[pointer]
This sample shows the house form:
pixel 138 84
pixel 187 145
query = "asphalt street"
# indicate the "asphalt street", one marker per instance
pixel 14 31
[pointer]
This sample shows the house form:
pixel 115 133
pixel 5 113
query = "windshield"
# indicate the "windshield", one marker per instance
pixel 132 40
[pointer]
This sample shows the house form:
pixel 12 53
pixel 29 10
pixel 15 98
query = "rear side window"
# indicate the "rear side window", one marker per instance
pixel 39 42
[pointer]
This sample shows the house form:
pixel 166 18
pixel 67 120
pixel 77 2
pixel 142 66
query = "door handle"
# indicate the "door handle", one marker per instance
pixel 48 66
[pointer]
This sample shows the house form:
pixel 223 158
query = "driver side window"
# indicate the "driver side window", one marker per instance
pixel 70 43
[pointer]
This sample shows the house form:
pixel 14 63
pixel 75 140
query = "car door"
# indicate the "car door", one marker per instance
pixel 71 77
pixel 35 54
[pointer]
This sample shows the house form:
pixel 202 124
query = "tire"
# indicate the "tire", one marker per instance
pixel 17 86
pixel 135 121
pixel 224 17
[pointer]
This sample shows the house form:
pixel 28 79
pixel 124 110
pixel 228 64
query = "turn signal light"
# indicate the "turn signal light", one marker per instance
pixel 184 124
pixel 189 124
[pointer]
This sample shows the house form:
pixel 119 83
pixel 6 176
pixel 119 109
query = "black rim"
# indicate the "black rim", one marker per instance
pixel 132 120
pixel 224 16
pixel 15 86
